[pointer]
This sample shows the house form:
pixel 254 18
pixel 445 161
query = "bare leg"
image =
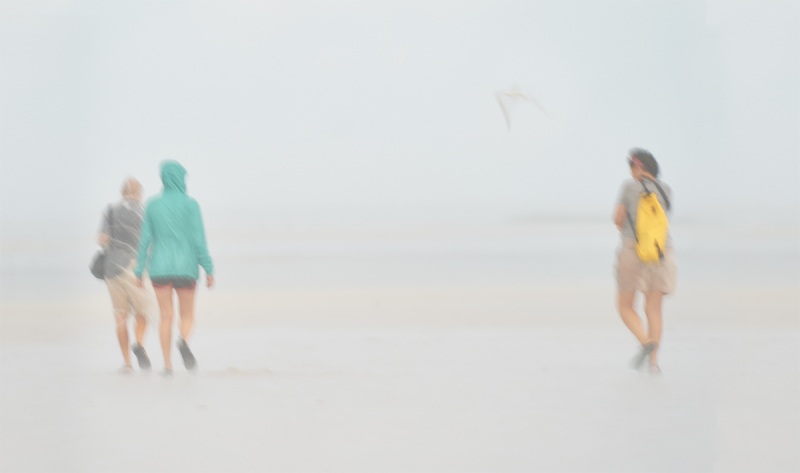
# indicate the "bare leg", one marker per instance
pixel 122 336
pixel 630 317
pixel 141 326
pixel 186 301
pixel 652 308
pixel 164 297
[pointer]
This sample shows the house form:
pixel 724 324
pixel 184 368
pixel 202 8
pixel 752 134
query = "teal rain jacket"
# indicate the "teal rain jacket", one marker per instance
pixel 173 240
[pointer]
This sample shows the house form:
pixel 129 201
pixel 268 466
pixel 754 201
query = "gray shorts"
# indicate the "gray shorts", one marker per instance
pixel 634 275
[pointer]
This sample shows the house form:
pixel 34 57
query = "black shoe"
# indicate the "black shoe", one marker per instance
pixel 141 356
pixel 639 359
pixel 188 358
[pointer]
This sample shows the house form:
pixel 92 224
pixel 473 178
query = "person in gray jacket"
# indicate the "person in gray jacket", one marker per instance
pixel 119 236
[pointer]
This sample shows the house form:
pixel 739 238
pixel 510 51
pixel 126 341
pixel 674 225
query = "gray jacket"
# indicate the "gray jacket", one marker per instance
pixel 122 222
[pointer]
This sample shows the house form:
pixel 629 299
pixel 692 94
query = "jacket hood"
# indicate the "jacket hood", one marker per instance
pixel 173 176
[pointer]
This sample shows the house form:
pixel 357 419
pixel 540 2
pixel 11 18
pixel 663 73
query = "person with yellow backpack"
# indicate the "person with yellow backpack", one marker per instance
pixel 645 259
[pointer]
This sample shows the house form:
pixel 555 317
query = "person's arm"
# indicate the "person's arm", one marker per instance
pixel 145 238
pixel 619 216
pixel 200 247
pixel 620 211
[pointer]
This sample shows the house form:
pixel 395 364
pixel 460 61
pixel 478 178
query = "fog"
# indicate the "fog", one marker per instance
pixel 408 279
pixel 351 110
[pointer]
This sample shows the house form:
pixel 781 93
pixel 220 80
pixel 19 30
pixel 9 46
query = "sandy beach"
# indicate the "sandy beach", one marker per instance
pixel 413 210
pixel 480 348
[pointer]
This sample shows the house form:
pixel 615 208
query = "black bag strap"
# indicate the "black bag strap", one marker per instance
pixel 109 213
pixel 658 186
pixel 633 225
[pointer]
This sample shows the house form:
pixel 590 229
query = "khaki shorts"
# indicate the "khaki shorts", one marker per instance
pixel 634 275
pixel 126 296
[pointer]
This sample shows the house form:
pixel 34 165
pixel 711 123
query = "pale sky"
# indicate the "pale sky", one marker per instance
pixel 356 109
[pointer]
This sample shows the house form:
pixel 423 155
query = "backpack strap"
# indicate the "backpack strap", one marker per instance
pixel 660 190
pixel 633 225
pixel 110 220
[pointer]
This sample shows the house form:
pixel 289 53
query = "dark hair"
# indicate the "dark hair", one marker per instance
pixel 646 158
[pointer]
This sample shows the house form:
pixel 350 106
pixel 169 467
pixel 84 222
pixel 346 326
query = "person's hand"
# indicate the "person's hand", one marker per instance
pixel 209 281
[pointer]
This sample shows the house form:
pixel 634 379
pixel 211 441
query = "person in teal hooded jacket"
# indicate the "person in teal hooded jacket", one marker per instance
pixel 172 247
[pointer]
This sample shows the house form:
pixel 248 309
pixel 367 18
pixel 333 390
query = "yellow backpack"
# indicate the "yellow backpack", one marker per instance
pixel 651 225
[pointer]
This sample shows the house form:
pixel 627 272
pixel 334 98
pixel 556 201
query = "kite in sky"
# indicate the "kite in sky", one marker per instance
pixel 510 97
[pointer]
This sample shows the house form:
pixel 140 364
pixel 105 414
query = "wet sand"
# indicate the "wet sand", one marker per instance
pixel 361 369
